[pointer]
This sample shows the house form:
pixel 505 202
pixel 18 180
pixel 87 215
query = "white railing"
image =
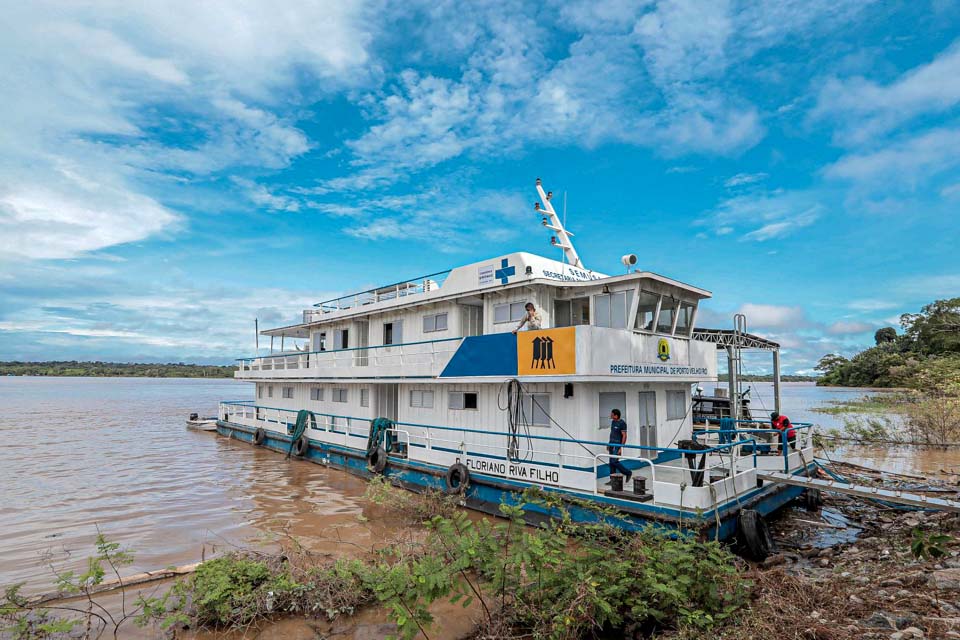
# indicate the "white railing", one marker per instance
pixel 415 286
pixel 431 352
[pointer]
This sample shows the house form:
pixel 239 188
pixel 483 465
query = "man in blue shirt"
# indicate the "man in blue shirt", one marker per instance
pixel 618 436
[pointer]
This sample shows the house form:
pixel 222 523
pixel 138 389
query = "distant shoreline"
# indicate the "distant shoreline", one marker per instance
pixel 77 369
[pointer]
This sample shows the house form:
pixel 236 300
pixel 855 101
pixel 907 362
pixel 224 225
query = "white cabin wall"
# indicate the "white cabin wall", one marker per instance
pixel 540 296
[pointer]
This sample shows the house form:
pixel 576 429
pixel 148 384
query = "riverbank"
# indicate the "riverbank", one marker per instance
pixel 73 368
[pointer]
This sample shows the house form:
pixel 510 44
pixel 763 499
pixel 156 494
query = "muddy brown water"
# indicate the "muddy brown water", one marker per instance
pixel 112 454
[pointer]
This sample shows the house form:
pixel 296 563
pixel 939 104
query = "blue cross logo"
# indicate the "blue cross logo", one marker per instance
pixel 504 272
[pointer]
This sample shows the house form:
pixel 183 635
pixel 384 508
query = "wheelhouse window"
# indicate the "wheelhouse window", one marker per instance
pixel 668 310
pixel 685 318
pixel 340 394
pixel 435 322
pixel 646 311
pixel 508 312
pixel 393 332
pixel 611 309
pixel 421 399
pixel 676 405
pixel 288 393
pixel 536 409
pixel 462 400
pixel 316 394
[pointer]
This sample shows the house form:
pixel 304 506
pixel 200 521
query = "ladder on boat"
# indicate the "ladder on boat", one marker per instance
pixel 862 491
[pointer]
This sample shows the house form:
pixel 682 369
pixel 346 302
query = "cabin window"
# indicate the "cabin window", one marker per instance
pixel 269 390
pixel 259 390
pixel 685 318
pixel 536 409
pixel 320 341
pixel 610 400
pixel 646 311
pixel 435 322
pixel 364 397
pixel 393 332
pixel 341 339
pixel 676 405
pixel 421 399
pixel 611 309
pixel 508 312
pixel 316 393
pixel 462 400
pixel 339 394
pixel 668 309
pixel 288 393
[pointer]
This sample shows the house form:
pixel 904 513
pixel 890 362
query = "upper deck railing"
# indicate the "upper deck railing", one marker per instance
pixel 415 286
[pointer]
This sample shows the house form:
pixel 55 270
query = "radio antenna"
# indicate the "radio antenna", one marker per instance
pixel 551 220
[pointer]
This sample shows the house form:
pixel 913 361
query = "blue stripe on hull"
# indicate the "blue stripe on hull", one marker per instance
pixel 486 493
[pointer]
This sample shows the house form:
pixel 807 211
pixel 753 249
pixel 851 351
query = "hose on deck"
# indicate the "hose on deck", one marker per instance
pixel 380 435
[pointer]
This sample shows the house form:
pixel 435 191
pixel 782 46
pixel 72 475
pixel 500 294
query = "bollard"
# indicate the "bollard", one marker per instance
pixel 639 485
pixel 616 483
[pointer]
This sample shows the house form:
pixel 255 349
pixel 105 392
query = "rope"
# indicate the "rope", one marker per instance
pixel 300 427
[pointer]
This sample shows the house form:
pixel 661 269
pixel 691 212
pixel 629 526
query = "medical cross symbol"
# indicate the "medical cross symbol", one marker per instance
pixel 504 272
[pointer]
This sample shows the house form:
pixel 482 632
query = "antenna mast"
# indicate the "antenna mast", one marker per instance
pixel 552 221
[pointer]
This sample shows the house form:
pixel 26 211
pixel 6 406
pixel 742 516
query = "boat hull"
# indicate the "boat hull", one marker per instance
pixel 486 493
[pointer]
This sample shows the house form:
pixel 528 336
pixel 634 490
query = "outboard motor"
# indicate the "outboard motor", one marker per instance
pixel 194 416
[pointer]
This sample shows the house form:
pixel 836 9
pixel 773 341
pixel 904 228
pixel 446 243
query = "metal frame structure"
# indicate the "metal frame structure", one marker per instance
pixel 552 221
pixel 734 340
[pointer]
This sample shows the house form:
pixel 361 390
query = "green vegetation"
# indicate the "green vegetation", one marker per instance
pixel 926 355
pixel 114 369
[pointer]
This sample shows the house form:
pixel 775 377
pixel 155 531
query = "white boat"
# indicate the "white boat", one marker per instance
pixel 197 423
pixel 470 406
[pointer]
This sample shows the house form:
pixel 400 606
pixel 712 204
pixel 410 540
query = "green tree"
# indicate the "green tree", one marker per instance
pixel 936 329
pixel 884 335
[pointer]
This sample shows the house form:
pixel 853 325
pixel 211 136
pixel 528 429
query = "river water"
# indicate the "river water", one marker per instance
pixel 82 454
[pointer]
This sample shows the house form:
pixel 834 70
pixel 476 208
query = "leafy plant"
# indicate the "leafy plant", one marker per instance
pixel 929 545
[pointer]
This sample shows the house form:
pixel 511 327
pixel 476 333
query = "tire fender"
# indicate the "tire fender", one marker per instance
pixel 259 436
pixel 457 479
pixel 377 460
pixel 301 446
pixel 754 537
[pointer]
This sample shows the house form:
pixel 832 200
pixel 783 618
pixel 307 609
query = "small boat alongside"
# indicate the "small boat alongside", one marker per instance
pixel 434 382
pixel 196 423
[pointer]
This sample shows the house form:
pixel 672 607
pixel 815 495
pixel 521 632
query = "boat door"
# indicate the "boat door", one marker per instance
pixel 647 422
pixel 361 356
pixel 388 401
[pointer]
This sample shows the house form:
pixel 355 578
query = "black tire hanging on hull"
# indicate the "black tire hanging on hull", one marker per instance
pixel 259 436
pixel 377 460
pixel 456 480
pixel 301 446
pixel 754 537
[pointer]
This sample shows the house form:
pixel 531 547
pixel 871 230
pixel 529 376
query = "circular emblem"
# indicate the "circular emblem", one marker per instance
pixel 663 349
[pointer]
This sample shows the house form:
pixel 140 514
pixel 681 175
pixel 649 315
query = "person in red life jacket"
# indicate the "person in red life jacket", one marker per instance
pixel 782 424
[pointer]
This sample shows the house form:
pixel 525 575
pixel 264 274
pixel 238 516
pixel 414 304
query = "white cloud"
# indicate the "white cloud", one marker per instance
pixel 869 109
pixel 913 159
pixel 769 316
pixel 94 95
pixel 845 328
pixel 742 179
pixel 261 196
pixel 870 304
pixel 778 213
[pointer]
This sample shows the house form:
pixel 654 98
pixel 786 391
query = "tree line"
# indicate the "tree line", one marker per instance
pixel 115 369
pixel 924 355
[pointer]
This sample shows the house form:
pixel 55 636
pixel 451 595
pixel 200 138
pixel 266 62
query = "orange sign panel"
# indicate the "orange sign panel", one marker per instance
pixel 547 352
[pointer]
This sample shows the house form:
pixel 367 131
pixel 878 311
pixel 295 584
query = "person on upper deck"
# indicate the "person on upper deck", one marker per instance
pixel 618 436
pixel 532 321
pixel 782 424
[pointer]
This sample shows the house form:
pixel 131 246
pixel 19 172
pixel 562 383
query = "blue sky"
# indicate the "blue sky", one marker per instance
pixel 169 171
